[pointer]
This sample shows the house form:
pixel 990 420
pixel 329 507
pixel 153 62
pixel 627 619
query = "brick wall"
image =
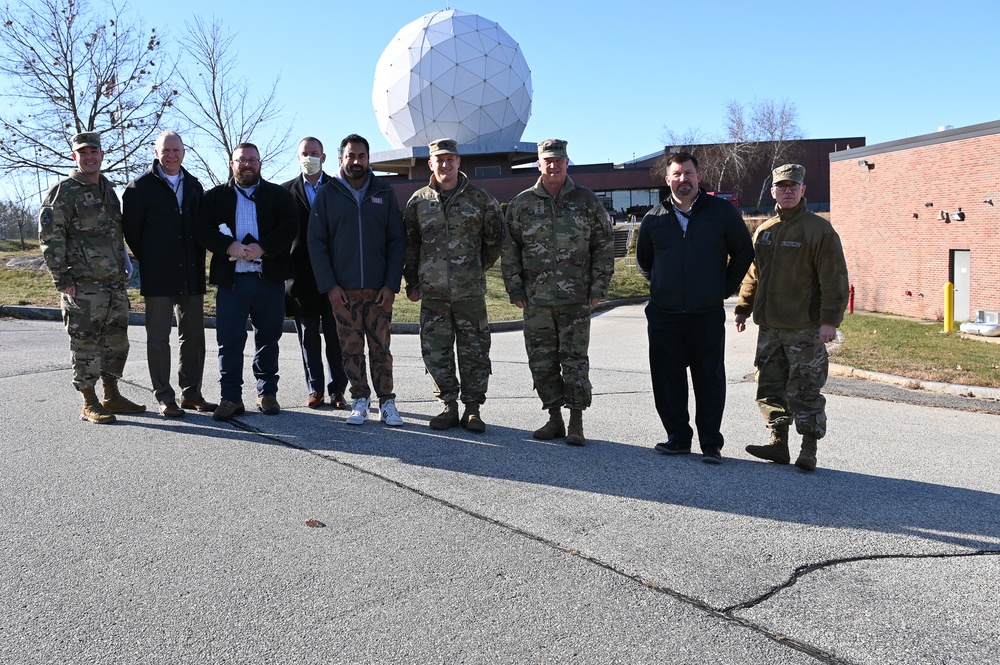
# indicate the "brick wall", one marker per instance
pixel 889 252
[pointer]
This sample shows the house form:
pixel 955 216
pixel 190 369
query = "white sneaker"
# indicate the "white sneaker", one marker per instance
pixel 359 411
pixel 390 416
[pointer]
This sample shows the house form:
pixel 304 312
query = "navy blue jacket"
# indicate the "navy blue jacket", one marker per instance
pixel 357 246
pixel 693 272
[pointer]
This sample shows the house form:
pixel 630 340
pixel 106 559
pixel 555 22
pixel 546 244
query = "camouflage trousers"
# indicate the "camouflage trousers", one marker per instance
pixel 557 339
pixel 96 319
pixel 792 367
pixel 358 321
pixel 445 325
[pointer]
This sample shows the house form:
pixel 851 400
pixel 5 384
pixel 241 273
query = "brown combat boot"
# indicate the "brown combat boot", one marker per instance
pixel 776 451
pixel 471 419
pixel 92 409
pixel 574 434
pixel 552 429
pixel 447 418
pixel 115 402
pixel 807 456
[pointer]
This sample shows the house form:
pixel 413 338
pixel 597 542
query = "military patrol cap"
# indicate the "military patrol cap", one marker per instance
pixel 83 139
pixel 443 147
pixel 552 148
pixel 793 172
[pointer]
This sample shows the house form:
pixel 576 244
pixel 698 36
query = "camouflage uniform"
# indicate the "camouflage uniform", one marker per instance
pixel 798 281
pixel 80 232
pixel 450 243
pixel 558 254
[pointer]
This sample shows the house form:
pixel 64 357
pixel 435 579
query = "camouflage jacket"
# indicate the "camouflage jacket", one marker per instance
pixel 558 251
pixel 80 231
pixel 451 244
pixel 798 278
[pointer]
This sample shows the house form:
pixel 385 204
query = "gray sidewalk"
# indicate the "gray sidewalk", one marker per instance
pixel 155 541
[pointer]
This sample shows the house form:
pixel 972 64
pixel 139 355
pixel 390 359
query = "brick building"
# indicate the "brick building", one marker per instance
pixel 918 213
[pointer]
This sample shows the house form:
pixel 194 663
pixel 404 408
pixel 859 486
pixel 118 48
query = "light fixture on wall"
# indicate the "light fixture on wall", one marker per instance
pixel 942 215
pixel 916 216
pixel 959 216
pixel 928 205
pixel 988 201
pixel 865 164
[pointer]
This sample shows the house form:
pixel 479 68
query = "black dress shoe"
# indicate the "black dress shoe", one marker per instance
pixel 170 410
pixel 198 404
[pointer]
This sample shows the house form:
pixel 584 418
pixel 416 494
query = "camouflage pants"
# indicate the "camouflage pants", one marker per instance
pixel 557 340
pixel 462 324
pixel 792 367
pixel 358 321
pixel 96 319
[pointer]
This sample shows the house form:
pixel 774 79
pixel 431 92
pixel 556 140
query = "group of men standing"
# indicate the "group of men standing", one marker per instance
pixel 332 251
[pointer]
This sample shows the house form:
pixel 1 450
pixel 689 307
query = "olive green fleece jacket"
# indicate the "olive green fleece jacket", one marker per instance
pixel 798 278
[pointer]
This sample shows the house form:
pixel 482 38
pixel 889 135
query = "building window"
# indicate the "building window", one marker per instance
pixel 487 171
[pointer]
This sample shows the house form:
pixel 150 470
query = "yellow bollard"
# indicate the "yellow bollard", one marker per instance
pixel 949 307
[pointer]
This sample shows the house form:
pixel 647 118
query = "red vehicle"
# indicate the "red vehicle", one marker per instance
pixel 729 196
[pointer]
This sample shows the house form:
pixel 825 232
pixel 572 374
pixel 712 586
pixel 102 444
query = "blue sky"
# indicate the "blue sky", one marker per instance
pixel 609 76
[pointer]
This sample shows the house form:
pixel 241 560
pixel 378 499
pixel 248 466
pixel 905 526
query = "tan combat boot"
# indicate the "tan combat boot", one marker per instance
pixel 447 418
pixel 574 434
pixel 471 419
pixel 552 429
pixel 807 456
pixel 115 402
pixel 92 409
pixel 776 451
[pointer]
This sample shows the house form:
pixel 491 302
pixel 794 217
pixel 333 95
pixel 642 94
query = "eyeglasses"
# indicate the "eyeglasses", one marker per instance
pixel 250 162
pixel 786 188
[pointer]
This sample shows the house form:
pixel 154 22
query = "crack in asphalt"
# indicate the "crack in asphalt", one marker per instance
pixel 723 614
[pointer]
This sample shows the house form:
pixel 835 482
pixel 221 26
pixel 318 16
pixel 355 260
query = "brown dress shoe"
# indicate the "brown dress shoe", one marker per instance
pixel 315 400
pixel 198 404
pixel 338 401
pixel 170 410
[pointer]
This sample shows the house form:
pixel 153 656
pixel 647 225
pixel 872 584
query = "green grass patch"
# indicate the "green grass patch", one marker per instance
pixel 917 349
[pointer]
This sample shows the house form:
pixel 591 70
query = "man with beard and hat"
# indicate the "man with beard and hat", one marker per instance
pixel 248 224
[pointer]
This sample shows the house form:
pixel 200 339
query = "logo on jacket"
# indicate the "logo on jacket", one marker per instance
pixel 765 238
pixel 377 200
pixel 432 206
pixel 790 243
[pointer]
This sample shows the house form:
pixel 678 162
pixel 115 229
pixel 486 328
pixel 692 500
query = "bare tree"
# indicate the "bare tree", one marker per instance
pixel 219 106
pixel 737 152
pixel 775 124
pixel 73 69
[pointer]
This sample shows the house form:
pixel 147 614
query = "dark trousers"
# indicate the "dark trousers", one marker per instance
pixel 190 313
pixel 263 302
pixel 679 341
pixel 316 333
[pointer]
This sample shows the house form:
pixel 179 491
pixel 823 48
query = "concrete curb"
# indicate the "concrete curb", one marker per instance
pixel 981 392
pixel 139 318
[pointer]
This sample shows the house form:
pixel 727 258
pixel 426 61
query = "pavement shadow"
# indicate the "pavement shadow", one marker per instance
pixel 825 497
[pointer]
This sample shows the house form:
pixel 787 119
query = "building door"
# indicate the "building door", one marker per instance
pixel 962 280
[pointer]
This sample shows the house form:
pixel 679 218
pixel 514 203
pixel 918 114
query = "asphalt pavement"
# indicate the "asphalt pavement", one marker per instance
pixel 186 541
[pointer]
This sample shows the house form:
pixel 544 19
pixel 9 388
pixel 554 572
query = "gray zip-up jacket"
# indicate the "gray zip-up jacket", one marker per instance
pixel 356 245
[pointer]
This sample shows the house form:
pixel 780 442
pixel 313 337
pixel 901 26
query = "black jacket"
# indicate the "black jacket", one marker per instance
pixel 357 246
pixel 302 298
pixel 276 224
pixel 161 234
pixel 695 271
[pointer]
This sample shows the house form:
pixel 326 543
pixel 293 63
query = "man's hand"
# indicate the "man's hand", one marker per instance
pixel 827 333
pixel 741 323
pixel 69 290
pixel 520 303
pixel 413 295
pixel 593 302
pixel 237 250
pixel 385 297
pixel 253 251
pixel 337 297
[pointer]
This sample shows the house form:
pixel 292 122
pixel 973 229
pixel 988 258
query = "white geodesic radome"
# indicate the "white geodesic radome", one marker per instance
pixel 452 74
